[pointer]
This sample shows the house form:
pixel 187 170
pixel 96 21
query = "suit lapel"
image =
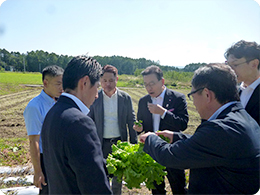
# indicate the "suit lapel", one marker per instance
pixel 100 110
pixel 120 103
pixel 254 99
pixel 166 100
pixel 149 114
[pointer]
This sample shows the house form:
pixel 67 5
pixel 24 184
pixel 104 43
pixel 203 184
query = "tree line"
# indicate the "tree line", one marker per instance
pixel 36 61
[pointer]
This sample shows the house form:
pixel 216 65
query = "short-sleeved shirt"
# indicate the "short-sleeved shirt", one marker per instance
pixel 35 113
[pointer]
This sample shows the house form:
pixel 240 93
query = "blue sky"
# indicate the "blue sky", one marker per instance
pixel 174 32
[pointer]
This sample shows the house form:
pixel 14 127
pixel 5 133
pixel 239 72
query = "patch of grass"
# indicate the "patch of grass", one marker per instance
pixel 21 78
pixel 12 82
pixel 14 151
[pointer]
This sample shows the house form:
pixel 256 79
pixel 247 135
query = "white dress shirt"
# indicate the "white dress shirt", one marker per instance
pixel 79 103
pixel 111 128
pixel 248 91
pixel 156 117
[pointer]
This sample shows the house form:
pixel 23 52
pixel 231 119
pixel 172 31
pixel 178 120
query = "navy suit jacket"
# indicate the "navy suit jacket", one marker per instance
pixel 176 117
pixel 72 151
pixel 253 105
pixel 126 116
pixel 222 155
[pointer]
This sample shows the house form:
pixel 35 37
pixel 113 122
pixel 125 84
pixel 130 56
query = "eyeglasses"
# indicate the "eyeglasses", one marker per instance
pixel 151 84
pixel 236 65
pixel 193 92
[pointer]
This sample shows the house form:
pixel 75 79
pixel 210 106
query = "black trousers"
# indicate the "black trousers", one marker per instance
pixel 44 189
pixel 177 182
pixel 107 149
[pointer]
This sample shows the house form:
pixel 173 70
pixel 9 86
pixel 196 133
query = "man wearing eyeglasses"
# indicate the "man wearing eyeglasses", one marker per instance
pixel 223 153
pixel 162 109
pixel 244 57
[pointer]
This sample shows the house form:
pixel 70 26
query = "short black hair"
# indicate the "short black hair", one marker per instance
pixel 220 79
pixel 77 68
pixel 109 68
pixel 52 71
pixel 248 50
pixel 153 70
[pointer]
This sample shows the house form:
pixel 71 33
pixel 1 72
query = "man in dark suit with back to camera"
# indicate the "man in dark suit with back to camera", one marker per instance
pixel 223 153
pixel 112 113
pixel 244 58
pixel 163 109
pixel 71 148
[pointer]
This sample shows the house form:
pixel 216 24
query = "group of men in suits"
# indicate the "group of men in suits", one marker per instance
pixel 223 154
pixel 81 127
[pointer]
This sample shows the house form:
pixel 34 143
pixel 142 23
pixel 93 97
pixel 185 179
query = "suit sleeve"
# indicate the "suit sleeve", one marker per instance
pixel 178 118
pixel 85 157
pixel 144 114
pixel 130 121
pixel 208 147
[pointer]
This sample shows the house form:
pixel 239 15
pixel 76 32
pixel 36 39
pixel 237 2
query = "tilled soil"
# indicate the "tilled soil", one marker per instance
pixel 12 126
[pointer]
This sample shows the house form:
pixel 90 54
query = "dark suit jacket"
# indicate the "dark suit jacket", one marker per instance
pixel 72 152
pixel 253 105
pixel 126 116
pixel 222 155
pixel 176 118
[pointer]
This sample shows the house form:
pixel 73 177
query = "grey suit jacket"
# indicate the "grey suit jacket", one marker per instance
pixel 126 116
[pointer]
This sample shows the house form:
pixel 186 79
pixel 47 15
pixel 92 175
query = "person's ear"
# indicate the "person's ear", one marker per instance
pixel 255 63
pixel 210 95
pixel 163 81
pixel 85 80
pixel 45 83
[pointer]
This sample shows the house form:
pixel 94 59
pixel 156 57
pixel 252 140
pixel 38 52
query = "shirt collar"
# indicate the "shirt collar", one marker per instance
pixel 252 85
pixel 215 115
pixel 79 103
pixel 104 94
pixel 48 98
pixel 161 96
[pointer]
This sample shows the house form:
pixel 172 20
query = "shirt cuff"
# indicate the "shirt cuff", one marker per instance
pixel 162 117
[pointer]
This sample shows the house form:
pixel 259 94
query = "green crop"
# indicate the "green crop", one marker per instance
pixel 165 138
pixel 130 163
pixel 139 123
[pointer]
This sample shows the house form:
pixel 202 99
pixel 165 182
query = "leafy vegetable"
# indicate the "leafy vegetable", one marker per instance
pixel 130 163
pixel 165 138
pixel 139 123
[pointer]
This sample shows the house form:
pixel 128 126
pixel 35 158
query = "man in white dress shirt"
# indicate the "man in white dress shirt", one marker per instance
pixel 113 114
pixel 162 109
pixel 244 57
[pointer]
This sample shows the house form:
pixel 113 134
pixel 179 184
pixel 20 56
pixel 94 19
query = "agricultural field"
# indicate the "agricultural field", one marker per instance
pixel 16 90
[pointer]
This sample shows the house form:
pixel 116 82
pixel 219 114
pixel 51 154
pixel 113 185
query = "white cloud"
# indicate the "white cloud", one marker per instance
pixel 258 1
pixel 2 1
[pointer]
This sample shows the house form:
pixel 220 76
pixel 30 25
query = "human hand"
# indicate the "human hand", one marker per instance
pixel 39 180
pixel 166 133
pixel 155 108
pixel 138 126
pixel 143 137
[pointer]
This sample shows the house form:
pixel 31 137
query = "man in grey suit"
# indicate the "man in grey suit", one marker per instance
pixel 113 113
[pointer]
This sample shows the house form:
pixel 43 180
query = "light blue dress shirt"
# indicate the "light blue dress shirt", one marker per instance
pixel 35 113
pixel 215 115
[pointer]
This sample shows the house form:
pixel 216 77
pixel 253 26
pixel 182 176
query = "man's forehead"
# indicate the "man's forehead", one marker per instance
pixel 150 77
